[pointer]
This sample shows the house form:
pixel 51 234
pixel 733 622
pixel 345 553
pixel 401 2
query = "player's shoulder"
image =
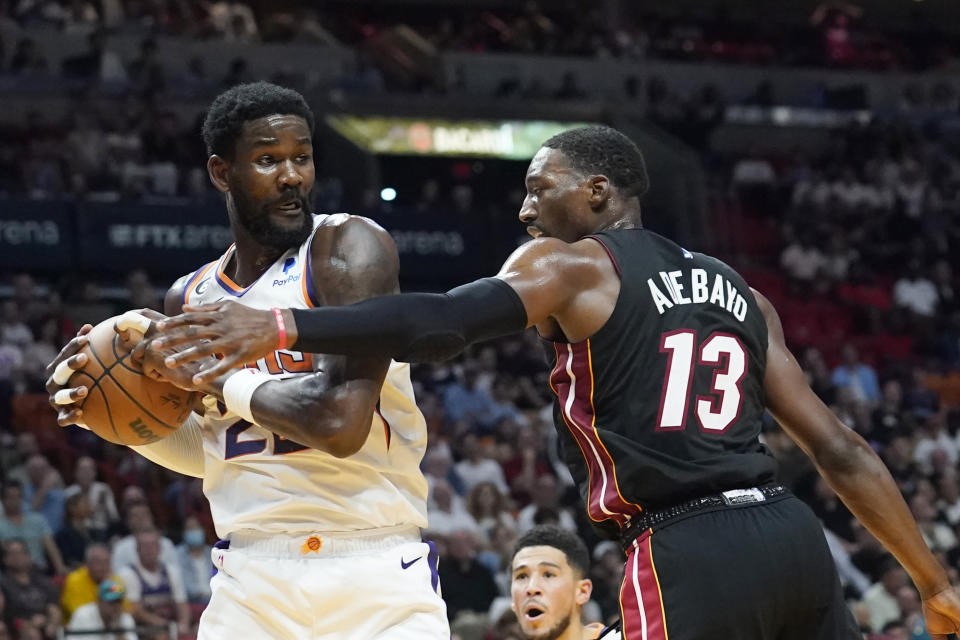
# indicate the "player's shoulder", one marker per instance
pixel 339 223
pixel 176 294
pixel 354 240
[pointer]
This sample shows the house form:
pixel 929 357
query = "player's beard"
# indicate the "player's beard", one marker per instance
pixel 554 632
pixel 257 221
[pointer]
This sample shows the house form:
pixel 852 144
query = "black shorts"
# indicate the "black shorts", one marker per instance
pixel 749 572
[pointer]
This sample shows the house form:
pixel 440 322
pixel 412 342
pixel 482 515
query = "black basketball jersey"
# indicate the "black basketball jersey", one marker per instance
pixel 664 403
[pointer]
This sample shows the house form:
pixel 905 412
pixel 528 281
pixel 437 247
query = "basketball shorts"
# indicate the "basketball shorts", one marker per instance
pixel 747 572
pixel 379 585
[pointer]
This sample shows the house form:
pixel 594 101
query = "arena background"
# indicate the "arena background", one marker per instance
pixel 813 146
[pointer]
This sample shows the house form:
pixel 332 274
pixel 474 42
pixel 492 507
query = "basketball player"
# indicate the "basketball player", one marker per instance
pixel 664 361
pixel 315 484
pixel 549 586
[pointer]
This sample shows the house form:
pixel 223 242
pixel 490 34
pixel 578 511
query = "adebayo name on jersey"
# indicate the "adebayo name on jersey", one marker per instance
pixel 697 282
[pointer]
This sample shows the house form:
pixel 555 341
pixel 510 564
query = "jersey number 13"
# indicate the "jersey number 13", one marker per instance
pixel 726 355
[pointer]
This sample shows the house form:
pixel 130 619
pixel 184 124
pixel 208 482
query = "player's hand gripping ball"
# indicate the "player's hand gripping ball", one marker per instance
pixel 123 405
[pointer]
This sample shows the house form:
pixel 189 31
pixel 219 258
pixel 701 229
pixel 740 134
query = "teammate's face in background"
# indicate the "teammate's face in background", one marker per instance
pixel 558 201
pixel 547 593
pixel 270 179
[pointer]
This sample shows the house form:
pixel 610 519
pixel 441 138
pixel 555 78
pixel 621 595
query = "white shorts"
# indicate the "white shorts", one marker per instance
pixel 373 585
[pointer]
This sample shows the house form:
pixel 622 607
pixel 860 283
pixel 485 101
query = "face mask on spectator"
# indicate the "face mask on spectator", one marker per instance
pixel 194 537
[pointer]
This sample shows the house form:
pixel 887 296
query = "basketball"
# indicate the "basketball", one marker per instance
pixel 123 405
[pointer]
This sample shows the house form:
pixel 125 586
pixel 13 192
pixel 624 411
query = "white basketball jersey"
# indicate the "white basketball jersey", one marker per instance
pixel 256 480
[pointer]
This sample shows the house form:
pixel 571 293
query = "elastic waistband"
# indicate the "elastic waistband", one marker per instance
pixel 732 498
pixel 324 543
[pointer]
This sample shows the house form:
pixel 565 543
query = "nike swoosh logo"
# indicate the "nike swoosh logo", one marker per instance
pixel 406 565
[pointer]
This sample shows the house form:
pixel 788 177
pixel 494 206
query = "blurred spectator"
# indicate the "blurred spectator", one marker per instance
pixel 147 74
pixel 528 463
pixel 43 491
pixel 949 504
pixel 106 613
pixel 937 535
pixel 934 442
pixel 445 510
pixel 476 467
pixel 546 497
pixel 15 330
pixel 911 612
pixel 139 519
pixel 31 529
pixel 98 63
pixel 856 376
pixel 73 538
pixel 881 598
pixel 802 260
pixel 233 21
pixel 488 507
pixel 915 292
pixel 438 465
pixel 80 585
pixel 104 515
pixel 888 421
pixel 467 584
pixel 29 595
pixel 155 587
pixel 194 562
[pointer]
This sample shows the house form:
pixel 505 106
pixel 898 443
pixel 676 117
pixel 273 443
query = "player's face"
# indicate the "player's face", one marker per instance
pixel 271 177
pixel 557 204
pixel 546 593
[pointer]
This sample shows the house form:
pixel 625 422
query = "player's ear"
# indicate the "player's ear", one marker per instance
pixel 584 590
pixel 599 190
pixel 217 170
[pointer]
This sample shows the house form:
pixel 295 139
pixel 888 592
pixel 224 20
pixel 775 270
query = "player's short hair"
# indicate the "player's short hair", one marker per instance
pixel 602 150
pixel 246 102
pixel 569 543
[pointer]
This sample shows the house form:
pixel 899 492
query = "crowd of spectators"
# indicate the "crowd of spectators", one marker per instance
pixel 836 34
pixel 855 245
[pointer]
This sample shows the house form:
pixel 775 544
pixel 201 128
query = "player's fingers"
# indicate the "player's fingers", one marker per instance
pixel 205 308
pixel 74 416
pixel 69 396
pixel 216 369
pixel 75 345
pixel 62 372
pixel 190 354
pixel 202 317
pixel 134 322
pixel 184 334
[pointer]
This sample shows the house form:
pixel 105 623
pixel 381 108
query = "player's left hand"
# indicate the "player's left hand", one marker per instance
pixel 942 613
pixel 237 333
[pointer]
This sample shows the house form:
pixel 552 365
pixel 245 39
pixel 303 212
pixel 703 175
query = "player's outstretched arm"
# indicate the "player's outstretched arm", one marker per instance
pixel 856 473
pixel 542 279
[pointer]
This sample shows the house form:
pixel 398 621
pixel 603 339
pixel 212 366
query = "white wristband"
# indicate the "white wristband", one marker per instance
pixel 238 391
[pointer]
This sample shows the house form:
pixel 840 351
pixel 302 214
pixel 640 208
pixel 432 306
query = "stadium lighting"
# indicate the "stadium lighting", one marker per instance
pixel 388 194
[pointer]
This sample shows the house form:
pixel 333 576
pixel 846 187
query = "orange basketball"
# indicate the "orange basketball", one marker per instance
pixel 123 405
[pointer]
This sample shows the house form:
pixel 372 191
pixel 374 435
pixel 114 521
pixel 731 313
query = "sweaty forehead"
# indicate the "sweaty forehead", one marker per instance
pixel 548 162
pixel 274 126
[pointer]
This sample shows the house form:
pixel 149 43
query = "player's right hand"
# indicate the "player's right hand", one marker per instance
pixel 58 372
pixel 942 613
